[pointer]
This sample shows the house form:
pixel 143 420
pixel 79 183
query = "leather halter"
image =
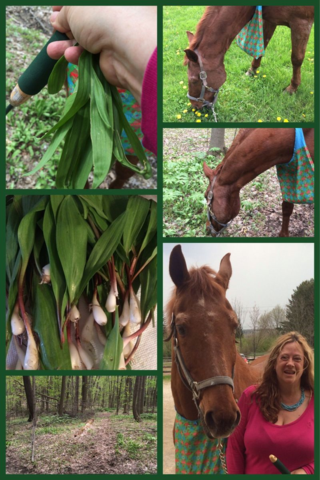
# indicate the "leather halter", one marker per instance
pixel 187 380
pixel 203 78
pixel 211 215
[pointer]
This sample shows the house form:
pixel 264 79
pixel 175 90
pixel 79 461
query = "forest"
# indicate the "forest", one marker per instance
pixel 81 425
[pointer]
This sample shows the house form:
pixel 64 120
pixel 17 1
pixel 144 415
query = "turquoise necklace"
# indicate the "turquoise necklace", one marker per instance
pixel 291 408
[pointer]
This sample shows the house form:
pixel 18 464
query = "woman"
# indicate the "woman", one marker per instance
pixel 277 417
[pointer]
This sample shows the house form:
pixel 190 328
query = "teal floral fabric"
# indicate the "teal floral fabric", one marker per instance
pixel 194 452
pixel 250 39
pixel 296 178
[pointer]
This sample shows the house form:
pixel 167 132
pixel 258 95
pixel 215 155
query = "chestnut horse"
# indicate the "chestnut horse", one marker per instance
pixel 208 375
pixel 253 151
pixel 220 25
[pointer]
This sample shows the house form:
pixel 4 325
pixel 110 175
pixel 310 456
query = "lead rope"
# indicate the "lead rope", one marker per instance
pixel 222 456
pixel 214 114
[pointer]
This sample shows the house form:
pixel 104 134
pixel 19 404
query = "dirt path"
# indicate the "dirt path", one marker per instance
pixel 168 420
pixel 97 451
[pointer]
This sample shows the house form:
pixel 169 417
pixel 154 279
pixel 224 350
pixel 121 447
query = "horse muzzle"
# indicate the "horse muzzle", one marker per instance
pixel 220 426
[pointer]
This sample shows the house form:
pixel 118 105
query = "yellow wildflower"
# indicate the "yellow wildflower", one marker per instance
pixel 181 82
pixel 260 121
pixel 193 109
pixel 264 76
pixel 286 120
pixel 206 115
pixel 257 71
pixel 185 111
pixel 278 118
pixel 311 93
pixel 198 121
pixel 178 116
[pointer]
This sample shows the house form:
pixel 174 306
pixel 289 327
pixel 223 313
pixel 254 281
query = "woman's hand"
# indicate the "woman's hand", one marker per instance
pixel 125 37
pixel 299 471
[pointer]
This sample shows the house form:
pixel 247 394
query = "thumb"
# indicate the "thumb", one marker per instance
pixel 59 20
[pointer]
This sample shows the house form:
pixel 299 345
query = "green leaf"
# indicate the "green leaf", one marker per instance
pixel 148 278
pixel 55 201
pixel 12 245
pixel 113 349
pixel 136 213
pixel 102 251
pixel 152 226
pixel 71 244
pixel 58 281
pixel 114 205
pixel 26 233
pixel 81 96
pixel 45 325
pixel 58 76
pixel 81 174
pixel 57 139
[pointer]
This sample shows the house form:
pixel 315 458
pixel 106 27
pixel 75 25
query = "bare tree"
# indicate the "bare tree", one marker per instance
pixel 254 319
pixel 62 395
pixel 241 315
pixel 29 397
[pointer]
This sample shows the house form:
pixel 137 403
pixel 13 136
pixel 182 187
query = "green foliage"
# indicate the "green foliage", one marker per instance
pixel 241 98
pixel 300 311
pixel 85 252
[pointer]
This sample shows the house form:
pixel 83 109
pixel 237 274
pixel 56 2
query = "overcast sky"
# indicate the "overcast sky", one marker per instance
pixel 263 274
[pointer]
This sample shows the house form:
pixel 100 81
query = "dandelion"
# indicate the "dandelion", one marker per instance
pixel 178 116
pixel 193 109
pixel 260 121
pixel 185 111
pixel 278 118
pixel 303 115
pixel 198 114
pixel 198 121
pixel 255 76
pixel 206 115
pixel 181 82
pixel 258 71
pixel 311 93
pixel 188 104
pixel 285 120
pixel 264 76
pixel 184 86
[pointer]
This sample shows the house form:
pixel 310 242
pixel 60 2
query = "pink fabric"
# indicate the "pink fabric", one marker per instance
pixel 252 442
pixel 149 105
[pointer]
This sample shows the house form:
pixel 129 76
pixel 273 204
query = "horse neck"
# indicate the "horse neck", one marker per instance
pixel 259 151
pixel 244 376
pixel 218 28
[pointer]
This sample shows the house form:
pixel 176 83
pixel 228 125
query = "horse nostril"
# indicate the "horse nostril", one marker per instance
pixel 238 418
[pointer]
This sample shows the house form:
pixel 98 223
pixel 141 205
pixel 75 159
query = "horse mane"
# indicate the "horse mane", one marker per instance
pixel 200 279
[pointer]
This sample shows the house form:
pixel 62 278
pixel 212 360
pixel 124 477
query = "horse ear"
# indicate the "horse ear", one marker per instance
pixel 207 171
pixel 190 36
pixel 191 55
pixel 225 272
pixel 177 267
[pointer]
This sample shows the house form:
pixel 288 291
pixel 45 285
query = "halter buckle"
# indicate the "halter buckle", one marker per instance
pixel 203 75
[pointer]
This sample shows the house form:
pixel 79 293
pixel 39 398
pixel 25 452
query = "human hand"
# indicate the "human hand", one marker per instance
pixel 125 37
pixel 299 471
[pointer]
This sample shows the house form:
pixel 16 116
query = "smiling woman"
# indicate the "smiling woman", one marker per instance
pixel 281 408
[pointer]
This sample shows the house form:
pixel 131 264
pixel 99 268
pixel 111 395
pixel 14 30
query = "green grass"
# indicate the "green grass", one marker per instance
pixel 242 98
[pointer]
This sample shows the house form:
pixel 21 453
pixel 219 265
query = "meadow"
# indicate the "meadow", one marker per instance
pixel 241 98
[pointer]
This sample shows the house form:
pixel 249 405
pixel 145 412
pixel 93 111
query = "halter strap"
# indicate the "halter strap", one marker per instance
pixel 204 87
pixel 211 215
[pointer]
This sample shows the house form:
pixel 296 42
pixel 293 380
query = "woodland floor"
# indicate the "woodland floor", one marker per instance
pixel 168 421
pixel 262 214
pixel 112 445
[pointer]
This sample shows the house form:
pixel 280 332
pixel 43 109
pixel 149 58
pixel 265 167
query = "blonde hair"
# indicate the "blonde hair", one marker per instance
pixel 267 394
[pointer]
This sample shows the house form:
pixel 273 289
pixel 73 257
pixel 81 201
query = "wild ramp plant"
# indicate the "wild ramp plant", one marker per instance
pixel 74 266
pixel 90 126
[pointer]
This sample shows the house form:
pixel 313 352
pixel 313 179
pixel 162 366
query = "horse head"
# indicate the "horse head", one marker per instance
pixel 203 329
pixel 223 201
pixel 205 75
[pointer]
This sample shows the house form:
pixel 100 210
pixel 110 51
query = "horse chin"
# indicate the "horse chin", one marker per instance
pixel 216 433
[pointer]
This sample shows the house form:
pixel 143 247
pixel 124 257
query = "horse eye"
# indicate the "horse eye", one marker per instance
pixel 181 330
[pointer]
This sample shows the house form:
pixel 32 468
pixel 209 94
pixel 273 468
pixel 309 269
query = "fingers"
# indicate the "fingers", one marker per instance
pixel 55 50
pixel 72 54
pixel 59 20
pixel 56 8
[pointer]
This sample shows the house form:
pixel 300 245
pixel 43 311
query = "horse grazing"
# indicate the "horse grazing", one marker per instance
pixel 253 151
pixel 208 375
pixel 215 32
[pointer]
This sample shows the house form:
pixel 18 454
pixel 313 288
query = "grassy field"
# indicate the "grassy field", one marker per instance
pixel 241 98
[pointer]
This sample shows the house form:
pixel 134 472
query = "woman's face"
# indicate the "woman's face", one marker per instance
pixel 289 364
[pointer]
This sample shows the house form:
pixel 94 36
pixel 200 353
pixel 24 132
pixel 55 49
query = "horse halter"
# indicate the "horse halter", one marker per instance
pixel 211 215
pixel 186 378
pixel 203 78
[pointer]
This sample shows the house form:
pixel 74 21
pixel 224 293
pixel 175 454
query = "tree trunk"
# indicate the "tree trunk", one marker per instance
pixel 29 397
pixel 84 393
pixel 76 397
pixel 62 395
pixel 34 420
pixel 138 397
pixel 217 140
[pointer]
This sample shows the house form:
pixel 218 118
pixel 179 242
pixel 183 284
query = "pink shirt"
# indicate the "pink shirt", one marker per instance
pixel 149 105
pixel 255 438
